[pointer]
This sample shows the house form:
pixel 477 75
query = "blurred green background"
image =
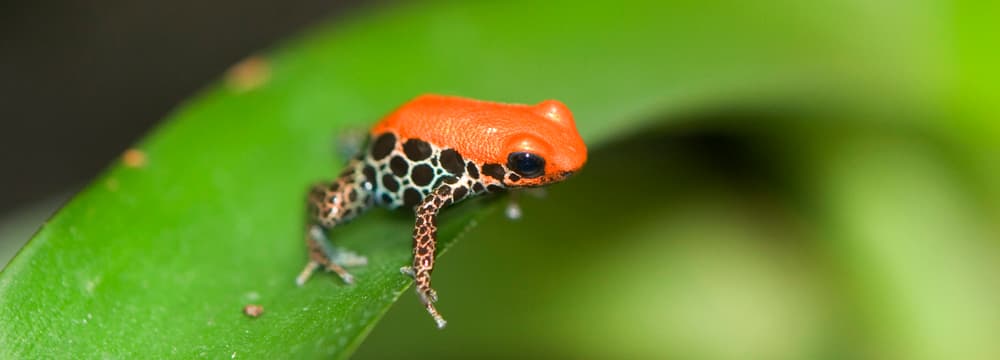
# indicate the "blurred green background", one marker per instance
pixel 844 206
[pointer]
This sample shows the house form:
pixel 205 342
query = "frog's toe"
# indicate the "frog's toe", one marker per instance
pixel 407 270
pixel 347 278
pixel 344 275
pixel 306 273
pixel 349 258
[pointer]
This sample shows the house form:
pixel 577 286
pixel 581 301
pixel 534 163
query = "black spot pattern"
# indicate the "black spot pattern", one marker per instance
pixel 383 145
pixel 390 183
pixel 450 180
pixel 460 192
pixel 413 169
pixel 399 166
pixel 422 175
pixel 416 149
pixel 452 161
pixel 411 197
pixel 493 170
pixel 472 169
pixel 369 173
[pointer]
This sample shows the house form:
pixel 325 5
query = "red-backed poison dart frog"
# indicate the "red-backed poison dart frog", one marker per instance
pixel 435 151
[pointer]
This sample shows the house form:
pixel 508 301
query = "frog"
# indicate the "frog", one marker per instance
pixel 430 153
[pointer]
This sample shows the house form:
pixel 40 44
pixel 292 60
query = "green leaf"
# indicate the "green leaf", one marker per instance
pixel 158 258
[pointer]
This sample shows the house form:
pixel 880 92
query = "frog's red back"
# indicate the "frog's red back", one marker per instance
pixel 483 130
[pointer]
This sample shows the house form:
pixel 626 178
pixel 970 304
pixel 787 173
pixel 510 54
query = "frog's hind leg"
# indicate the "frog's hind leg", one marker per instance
pixel 330 205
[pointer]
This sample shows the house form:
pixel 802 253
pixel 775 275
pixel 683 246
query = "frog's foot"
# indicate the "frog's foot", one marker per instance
pixel 312 265
pixel 428 296
pixel 438 319
pixel 333 259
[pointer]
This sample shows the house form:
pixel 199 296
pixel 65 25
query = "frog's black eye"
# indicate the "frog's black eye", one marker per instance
pixel 526 164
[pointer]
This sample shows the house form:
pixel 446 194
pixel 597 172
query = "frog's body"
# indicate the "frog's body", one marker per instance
pixel 433 152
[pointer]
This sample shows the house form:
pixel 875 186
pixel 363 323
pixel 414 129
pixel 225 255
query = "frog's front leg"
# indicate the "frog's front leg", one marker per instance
pixel 424 244
pixel 330 205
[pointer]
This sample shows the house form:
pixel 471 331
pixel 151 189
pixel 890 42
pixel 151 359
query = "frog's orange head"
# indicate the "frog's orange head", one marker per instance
pixel 548 149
